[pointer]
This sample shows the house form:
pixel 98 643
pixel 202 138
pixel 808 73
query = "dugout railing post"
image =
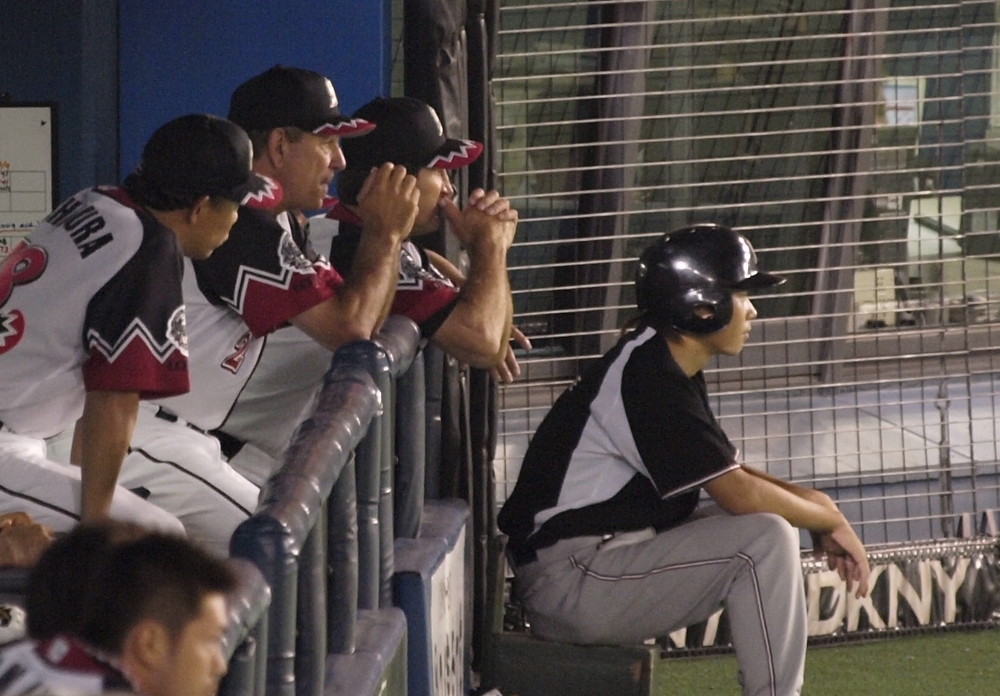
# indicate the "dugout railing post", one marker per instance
pixel 244 641
pixel 386 358
pixel 281 539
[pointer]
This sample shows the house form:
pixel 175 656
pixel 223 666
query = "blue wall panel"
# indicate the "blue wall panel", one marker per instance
pixel 181 56
pixel 64 51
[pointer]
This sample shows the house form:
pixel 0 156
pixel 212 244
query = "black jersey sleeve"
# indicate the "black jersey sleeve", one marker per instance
pixel 677 437
pixel 422 293
pixel 262 273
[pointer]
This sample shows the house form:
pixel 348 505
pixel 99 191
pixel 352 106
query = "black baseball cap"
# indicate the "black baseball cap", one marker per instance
pixel 282 96
pixel 409 133
pixel 203 155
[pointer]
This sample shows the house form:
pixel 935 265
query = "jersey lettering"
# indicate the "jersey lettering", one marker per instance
pixel 234 361
pixel 21 267
pixel 59 214
pixel 81 224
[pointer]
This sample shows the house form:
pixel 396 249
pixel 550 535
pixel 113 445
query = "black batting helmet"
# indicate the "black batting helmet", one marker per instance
pixel 698 266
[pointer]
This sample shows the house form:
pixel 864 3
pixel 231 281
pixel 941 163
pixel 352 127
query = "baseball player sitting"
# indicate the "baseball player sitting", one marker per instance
pixel 145 614
pixel 605 539
pixel 468 318
pixel 92 319
pixel 264 278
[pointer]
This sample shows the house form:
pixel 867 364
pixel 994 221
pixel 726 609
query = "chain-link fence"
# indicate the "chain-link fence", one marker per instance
pixel 855 142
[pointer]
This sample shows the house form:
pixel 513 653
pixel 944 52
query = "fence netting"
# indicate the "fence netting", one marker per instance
pixel 855 142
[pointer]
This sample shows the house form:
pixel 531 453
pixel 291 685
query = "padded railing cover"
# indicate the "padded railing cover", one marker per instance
pixel 386 357
pixel 291 504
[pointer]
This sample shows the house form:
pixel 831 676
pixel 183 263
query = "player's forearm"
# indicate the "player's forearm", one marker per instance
pixel 367 293
pixel 740 492
pixel 446 268
pixel 811 494
pixel 478 328
pixel 105 430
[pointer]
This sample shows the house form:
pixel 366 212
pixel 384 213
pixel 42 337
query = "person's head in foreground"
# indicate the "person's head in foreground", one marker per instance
pixel 194 173
pixel 294 121
pixel 692 286
pixel 152 603
pixel 408 132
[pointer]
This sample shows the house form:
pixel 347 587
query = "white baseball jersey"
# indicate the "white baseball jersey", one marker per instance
pixel 91 300
pixel 252 285
pixel 58 666
pixel 281 391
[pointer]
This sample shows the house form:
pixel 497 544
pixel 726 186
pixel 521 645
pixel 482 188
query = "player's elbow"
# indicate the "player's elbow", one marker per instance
pixel 736 492
pixel 488 352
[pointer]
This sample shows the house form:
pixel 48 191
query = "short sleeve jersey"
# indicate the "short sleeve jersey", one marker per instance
pixel 57 666
pixel 91 300
pixel 627 447
pixel 423 293
pixel 292 365
pixel 260 278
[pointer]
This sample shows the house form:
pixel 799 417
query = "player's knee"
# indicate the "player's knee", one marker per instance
pixel 776 534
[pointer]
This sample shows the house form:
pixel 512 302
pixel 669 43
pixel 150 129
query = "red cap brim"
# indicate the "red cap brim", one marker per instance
pixel 345 129
pixel 455 154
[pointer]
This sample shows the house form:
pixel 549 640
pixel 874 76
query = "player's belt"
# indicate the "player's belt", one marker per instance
pixel 170 417
pixel 230 445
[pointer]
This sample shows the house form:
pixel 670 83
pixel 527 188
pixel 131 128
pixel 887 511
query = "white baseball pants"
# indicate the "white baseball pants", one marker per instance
pixel 183 472
pixel 50 491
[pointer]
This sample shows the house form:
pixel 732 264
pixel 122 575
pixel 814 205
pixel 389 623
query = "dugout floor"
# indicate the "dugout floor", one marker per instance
pixel 903 459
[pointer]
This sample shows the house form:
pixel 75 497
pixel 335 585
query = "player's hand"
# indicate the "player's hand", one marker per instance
pixel 509 369
pixel 846 554
pixel 388 201
pixel 488 218
pixel 22 544
pixel 13 519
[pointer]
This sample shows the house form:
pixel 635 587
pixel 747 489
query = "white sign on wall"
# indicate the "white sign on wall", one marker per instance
pixel 26 170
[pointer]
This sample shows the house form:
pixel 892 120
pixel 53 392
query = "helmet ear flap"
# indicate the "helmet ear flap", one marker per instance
pixel 721 306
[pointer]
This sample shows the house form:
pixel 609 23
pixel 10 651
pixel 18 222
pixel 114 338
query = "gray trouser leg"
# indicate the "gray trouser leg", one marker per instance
pixel 582 591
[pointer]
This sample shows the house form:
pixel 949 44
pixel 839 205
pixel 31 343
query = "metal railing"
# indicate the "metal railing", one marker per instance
pixel 322 535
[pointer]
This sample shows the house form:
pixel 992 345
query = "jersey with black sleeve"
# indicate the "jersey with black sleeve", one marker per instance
pixel 91 300
pixel 627 447
pixel 423 293
pixel 281 391
pixel 250 286
pixel 58 667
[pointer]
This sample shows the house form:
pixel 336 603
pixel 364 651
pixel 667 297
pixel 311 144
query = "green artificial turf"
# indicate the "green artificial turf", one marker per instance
pixel 936 664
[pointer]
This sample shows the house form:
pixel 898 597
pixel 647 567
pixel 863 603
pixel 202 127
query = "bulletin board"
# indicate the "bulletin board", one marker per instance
pixel 27 169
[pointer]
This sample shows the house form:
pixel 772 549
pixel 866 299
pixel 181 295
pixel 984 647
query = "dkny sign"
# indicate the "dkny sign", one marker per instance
pixel 925 584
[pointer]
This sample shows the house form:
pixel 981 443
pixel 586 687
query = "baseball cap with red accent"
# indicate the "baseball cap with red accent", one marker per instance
pixel 408 132
pixel 202 155
pixel 282 96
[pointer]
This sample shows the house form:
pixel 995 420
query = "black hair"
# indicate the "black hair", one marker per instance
pixel 101 580
pixel 59 582
pixel 649 319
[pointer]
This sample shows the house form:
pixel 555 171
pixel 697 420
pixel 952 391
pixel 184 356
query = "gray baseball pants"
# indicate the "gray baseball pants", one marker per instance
pixel 594 590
